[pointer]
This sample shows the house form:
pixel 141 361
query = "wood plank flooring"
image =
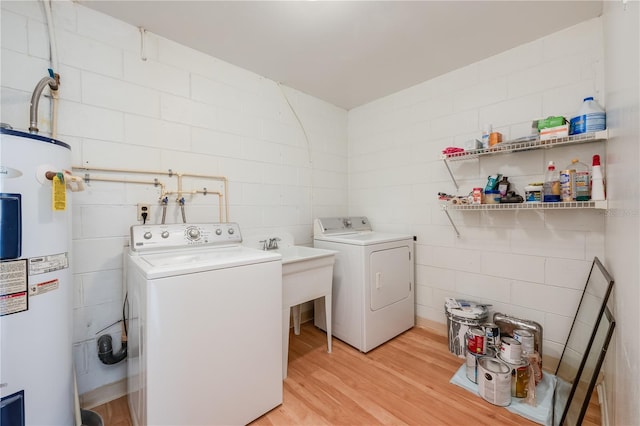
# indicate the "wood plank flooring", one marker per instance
pixel 405 381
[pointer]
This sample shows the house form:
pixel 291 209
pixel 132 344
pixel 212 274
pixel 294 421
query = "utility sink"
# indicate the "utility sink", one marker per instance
pixel 307 274
pixel 299 259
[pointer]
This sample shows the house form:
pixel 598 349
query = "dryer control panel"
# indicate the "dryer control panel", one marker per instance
pixel 177 235
pixel 341 225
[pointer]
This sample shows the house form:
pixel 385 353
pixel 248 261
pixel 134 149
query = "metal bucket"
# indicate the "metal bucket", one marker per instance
pixel 91 418
pixel 494 381
pixel 472 363
pixel 459 320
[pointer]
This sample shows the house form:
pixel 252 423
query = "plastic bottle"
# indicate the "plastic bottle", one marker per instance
pixel 486 131
pixel 503 186
pixel 590 118
pixel 533 192
pixel 597 180
pixel 551 186
pixel 582 180
pixel 568 184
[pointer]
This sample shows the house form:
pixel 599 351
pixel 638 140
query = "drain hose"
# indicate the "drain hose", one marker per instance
pixel 105 350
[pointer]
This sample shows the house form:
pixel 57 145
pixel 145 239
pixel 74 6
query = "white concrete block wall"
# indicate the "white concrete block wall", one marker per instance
pixel 179 110
pixel 527 264
pixel 622 48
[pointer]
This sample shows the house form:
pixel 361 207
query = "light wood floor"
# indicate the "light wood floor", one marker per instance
pixel 405 381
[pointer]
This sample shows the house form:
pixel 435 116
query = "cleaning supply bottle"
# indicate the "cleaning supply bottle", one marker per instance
pixel 486 131
pixel 597 180
pixel 503 186
pixel 582 180
pixel 590 118
pixel 568 184
pixel 551 185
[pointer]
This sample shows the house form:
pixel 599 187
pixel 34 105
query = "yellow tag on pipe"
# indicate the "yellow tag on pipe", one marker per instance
pixel 58 193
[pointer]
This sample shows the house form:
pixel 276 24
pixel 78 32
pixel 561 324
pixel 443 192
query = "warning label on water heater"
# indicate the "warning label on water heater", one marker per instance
pixel 13 287
pixel 13 277
pixel 44 264
pixel 13 303
pixel 44 287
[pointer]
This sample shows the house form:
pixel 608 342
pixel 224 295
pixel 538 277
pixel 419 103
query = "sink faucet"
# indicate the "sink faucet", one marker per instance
pixel 270 244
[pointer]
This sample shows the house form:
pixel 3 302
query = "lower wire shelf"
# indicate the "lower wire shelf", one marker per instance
pixel 563 205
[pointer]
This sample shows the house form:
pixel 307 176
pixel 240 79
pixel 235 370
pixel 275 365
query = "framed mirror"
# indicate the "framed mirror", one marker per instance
pixel 584 384
pixel 583 340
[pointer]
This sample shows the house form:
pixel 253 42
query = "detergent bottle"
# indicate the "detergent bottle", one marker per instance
pixel 582 180
pixel 590 118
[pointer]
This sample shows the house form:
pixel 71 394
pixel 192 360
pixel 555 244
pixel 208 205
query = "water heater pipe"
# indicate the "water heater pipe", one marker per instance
pixel 53 83
pixel 53 49
pixel 53 46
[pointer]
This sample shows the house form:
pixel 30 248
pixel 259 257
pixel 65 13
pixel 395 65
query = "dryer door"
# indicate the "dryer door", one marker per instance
pixel 390 276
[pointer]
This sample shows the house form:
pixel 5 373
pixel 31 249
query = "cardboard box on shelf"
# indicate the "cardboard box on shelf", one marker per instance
pixel 554 132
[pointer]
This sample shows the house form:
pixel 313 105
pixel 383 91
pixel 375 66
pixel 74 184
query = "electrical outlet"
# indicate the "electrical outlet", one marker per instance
pixel 143 208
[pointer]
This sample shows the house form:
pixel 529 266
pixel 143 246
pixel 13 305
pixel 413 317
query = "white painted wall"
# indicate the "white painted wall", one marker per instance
pixel 530 265
pixel 622 228
pixel 179 110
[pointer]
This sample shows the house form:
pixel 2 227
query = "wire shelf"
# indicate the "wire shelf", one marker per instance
pixel 513 146
pixel 528 206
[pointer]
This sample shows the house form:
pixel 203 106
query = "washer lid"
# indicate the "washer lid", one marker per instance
pixel 182 262
pixel 364 238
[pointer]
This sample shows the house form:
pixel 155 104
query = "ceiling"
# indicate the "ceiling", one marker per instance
pixel 349 53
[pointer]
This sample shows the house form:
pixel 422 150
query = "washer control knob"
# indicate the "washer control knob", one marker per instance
pixel 218 231
pixel 165 234
pixel 193 233
pixel 231 231
pixel 147 235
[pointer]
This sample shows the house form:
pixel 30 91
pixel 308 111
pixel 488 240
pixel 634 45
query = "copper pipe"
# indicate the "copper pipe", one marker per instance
pixel 170 174
pixel 141 182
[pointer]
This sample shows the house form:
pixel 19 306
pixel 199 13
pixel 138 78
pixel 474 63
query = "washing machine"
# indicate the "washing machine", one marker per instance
pixel 373 295
pixel 205 332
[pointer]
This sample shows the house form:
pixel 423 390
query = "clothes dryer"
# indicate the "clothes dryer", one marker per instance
pixel 373 293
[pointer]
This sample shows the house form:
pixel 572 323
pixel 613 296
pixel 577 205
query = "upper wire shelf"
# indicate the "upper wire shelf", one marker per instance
pixel 514 146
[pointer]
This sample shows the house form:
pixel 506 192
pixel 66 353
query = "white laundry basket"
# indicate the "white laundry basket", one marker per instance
pixel 459 320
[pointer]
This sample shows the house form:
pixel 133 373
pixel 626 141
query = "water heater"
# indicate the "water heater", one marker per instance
pixel 36 287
